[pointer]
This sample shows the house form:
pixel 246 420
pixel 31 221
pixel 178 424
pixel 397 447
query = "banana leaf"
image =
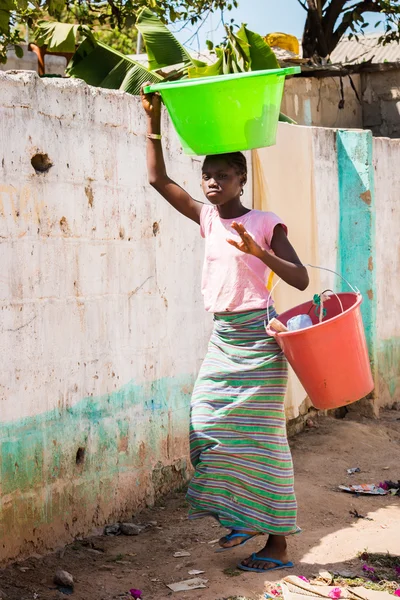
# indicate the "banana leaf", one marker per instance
pixel 163 49
pixel 285 119
pixel 240 49
pixel 60 37
pixel 261 55
pixel 208 70
pixel 102 66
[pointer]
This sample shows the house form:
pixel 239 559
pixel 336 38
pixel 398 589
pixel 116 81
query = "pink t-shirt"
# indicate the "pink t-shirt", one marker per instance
pixel 232 280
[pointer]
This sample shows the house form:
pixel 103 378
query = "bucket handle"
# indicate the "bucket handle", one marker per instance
pixel 355 290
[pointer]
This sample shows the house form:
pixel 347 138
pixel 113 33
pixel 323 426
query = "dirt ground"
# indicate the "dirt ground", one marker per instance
pixel 105 568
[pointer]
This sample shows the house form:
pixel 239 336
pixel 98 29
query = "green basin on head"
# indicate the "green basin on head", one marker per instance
pixel 225 113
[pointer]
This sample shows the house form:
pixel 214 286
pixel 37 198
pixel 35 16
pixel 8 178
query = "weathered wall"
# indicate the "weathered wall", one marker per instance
pixel 331 101
pixel 337 191
pixel 381 102
pixel 386 155
pixel 103 328
pixel 317 101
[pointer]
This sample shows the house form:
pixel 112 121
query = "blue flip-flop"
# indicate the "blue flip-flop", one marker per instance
pixel 279 564
pixel 231 536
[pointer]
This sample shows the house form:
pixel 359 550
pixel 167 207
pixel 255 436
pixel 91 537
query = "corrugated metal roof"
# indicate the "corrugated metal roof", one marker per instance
pixel 366 49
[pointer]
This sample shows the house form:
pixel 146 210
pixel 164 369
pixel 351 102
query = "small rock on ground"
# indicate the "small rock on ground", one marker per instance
pixel 63 578
pixel 130 529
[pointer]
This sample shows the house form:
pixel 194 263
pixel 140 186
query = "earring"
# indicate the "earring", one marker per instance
pixel 242 192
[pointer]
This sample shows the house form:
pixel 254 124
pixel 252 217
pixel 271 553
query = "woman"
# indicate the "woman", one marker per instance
pixel 243 466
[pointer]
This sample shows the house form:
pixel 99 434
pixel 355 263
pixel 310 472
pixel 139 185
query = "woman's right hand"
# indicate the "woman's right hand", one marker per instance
pixel 151 103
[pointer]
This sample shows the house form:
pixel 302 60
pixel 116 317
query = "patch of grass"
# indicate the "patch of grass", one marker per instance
pixel 232 572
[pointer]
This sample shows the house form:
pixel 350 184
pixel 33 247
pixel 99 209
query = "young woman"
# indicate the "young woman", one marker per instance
pixel 243 466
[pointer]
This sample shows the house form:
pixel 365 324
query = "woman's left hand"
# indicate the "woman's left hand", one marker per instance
pixel 246 244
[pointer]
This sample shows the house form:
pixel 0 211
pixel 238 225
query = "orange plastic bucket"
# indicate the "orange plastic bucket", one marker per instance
pixel 330 358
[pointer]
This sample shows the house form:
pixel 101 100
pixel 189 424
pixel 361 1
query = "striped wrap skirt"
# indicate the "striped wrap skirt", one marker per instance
pixel 239 449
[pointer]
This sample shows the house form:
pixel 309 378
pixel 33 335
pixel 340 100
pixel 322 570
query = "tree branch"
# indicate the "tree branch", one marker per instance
pixel 361 7
pixel 302 4
pixel 317 22
pixel 331 16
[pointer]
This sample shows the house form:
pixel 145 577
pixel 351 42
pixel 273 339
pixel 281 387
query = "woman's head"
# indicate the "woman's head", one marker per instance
pixel 224 176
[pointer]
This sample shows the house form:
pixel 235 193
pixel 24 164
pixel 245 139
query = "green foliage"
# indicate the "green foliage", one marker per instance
pixel 59 37
pixel 163 49
pixel 124 41
pixel 102 66
pixel 323 31
pixel 103 15
pixel 240 52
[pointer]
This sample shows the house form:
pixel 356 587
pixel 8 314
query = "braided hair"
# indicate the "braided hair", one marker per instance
pixel 236 160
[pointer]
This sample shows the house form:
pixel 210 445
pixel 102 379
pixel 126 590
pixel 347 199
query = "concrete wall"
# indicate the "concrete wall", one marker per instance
pixel 337 191
pixel 321 101
pixel 386 158
pixel 317 101
pixel 381 102
pixel 103 328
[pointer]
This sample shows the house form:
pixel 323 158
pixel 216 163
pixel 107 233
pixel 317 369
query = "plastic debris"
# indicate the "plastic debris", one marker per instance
pixel 299 322
pixel 354 470
pixel 188 584
pixel 392 487
pixel 195 572
pixel 214 541
pixel 181 554
pixel 369 489
pixel 136 594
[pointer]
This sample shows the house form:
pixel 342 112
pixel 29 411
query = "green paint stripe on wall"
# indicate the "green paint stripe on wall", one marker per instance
pixel 356 246
pixel 126 430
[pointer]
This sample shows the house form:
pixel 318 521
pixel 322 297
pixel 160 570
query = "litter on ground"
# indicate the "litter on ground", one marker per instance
pixel 188 584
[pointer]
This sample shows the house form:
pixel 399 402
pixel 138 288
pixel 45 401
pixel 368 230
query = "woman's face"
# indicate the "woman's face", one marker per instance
pixel 221 182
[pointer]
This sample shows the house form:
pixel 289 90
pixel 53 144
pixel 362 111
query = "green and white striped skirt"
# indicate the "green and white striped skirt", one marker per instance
pixel 238 442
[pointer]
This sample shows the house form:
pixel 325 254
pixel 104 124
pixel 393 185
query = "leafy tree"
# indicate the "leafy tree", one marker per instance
pixel 327 21
pixel 117 16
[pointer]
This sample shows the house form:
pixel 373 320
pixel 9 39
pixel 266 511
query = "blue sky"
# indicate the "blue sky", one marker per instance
pixel 262 16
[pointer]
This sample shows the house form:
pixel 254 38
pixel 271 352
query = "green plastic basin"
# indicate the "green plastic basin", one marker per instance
pixel 225 113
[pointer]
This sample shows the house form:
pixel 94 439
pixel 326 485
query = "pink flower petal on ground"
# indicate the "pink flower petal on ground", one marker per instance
pixel 136 594
pixel 304 578
pixel 335 593
pixel 275 592
pixel 397 593
pixel 368 569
